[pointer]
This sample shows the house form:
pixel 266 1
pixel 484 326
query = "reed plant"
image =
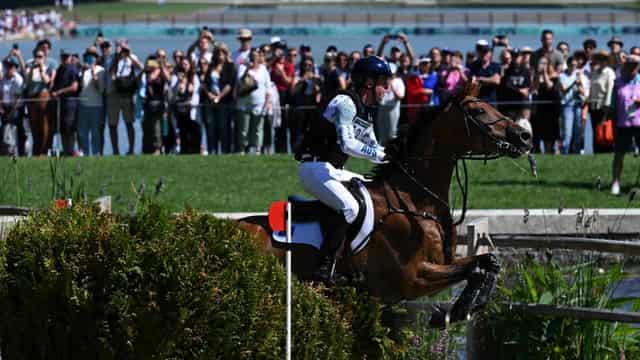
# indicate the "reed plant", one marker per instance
pixel 586 284
pixel 66 184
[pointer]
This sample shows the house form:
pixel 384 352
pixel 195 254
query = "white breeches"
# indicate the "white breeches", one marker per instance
pixel 323 181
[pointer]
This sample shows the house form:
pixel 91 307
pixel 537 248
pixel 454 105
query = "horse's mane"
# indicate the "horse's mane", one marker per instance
pixel 407 135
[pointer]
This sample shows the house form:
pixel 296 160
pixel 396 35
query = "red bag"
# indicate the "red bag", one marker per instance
pixel 604 133
pixel 415 97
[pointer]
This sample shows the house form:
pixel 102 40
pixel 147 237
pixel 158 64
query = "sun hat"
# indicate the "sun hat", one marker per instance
pixel 615 40
pixel 602 54
pixel 152 64
pixel 526 50
pixel 244 33
pixel 482 45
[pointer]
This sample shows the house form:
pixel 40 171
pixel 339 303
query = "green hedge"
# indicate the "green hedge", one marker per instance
pixel 77 284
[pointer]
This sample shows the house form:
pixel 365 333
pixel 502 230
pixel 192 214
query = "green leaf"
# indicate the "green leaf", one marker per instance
pixel 546 298
pixel 533 293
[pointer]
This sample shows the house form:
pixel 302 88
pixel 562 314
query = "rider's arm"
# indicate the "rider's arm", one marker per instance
pixel 341 111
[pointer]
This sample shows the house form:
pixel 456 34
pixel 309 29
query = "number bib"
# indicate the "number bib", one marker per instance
pixel 363 131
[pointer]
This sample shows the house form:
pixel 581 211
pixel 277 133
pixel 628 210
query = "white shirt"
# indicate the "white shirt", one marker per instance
pixel 195 56
pixel 355 136
pixel 390 100
pixel 91 93
pixel 255 101
pixel 11 88
pixel 240 57
pixel 601 87
pixel 125 66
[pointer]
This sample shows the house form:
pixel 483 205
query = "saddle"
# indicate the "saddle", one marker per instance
pixel 312 220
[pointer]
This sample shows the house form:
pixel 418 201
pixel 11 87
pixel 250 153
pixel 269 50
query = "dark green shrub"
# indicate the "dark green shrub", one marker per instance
pixel 77 284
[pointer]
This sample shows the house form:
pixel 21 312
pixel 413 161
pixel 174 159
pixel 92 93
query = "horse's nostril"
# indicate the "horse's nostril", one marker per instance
pixel 525 136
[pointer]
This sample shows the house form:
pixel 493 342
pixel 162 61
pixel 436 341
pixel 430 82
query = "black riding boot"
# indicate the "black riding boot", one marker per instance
pixel 332 247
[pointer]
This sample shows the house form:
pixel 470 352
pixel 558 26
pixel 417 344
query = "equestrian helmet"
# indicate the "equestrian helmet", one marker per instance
pixel 369 67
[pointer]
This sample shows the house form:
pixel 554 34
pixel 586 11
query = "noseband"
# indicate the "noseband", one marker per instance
pixel 503 147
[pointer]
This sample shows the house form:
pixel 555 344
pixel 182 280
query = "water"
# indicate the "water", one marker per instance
pixel 145 45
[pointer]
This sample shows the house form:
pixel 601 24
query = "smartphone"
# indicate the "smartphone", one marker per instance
pixel 16 46
pixel 393 36
pixel 501 37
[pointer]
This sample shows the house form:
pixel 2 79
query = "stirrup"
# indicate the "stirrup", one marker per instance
pixel 326 270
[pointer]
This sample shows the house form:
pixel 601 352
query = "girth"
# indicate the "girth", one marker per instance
pixel 445 222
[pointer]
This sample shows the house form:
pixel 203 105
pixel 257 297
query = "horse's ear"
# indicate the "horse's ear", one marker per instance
pixel 471 89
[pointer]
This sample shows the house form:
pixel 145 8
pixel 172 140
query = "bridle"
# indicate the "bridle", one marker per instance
pixel 502 146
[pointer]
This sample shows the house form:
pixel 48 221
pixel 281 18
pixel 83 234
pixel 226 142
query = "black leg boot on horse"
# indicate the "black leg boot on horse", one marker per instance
pixel 332 248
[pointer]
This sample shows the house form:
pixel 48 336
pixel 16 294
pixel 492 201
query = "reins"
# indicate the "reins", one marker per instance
pixel 502 146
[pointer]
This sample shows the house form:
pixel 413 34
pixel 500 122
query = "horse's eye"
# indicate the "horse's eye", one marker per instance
pixel 479 111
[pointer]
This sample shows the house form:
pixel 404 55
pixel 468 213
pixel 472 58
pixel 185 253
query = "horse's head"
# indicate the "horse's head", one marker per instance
pixel 475 127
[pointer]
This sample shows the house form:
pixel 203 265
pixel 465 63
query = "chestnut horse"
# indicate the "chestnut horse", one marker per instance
pixel 411 250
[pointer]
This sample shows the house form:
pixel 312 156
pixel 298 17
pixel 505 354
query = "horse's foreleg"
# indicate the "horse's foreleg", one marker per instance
pixel 442 276
pixel 481 273
pixel 489 263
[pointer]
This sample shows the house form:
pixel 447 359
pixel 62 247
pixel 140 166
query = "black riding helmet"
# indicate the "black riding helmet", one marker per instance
pixel 369 67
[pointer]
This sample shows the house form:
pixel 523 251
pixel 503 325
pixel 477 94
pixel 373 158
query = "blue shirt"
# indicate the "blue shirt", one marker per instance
pixel 487 92
pixel 431 82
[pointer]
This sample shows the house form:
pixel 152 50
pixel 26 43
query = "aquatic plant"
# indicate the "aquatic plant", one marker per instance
pixel 519 335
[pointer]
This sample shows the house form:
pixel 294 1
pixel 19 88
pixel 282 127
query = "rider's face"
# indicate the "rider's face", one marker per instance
pixel 381 86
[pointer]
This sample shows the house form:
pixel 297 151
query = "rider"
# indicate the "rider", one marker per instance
pixel 345 129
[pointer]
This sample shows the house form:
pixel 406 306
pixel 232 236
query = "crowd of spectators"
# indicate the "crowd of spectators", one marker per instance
pixel 209 99
pixel 20 24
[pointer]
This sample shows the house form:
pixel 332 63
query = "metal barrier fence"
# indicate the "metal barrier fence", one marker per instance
pixel 288 107
pixel 292 116
pixel 420 17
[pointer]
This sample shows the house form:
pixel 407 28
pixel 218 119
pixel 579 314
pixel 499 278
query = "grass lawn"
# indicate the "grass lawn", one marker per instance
pixel 134 11
pixel 246 183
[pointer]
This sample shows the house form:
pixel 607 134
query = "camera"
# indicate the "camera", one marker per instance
pixel 15 46
pixel 393 36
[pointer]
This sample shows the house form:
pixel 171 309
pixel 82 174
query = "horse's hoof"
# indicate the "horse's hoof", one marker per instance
pixel 490 263
pixel 476 279
pixel 341 280
pixel 487 289
pixel 438 318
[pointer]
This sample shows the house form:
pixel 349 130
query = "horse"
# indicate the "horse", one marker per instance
pixel 411 249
